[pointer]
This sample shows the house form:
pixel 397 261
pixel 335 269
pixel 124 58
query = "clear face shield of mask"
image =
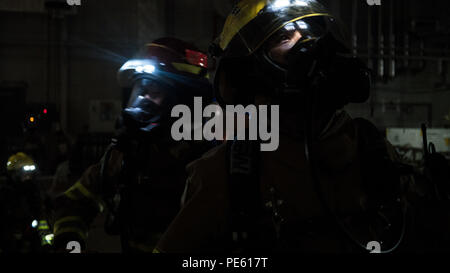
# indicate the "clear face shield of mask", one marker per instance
pixel 24 176
pixel 284 40
pixel 314 47
pixel 147 105
pixel 296 39
pixel 239 76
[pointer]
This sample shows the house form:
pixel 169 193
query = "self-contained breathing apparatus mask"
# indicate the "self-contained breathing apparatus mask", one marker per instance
pixel 319 60
pixel 148 105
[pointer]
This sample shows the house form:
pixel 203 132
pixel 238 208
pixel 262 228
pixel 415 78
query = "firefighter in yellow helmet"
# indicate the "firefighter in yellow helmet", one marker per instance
pixel 24 226
pixel 21 168
pixel 334 184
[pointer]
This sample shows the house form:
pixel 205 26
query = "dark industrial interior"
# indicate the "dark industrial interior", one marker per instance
pixel 61 101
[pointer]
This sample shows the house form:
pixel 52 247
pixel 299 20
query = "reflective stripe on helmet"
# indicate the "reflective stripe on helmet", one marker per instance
pixel 188 68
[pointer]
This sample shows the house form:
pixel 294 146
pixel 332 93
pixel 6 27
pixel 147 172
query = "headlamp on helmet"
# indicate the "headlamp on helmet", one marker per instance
pixel 21 167
pixel 165 72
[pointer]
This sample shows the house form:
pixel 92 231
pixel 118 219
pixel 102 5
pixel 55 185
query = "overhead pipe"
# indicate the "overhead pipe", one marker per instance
pixel 380 60
pixel 369 38
pixel 392 64
pixel 406 50
pixel 354 28
pixel 370 64
pixel 406 34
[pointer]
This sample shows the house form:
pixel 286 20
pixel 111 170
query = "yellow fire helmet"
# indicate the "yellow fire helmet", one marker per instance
pixel 251 23
pixel 246 37
pixel 254 21
pixel 21 162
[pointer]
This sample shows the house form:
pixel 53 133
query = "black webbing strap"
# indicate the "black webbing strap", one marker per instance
pixel 243 173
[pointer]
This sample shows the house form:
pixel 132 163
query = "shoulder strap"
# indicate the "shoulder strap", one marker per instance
pixel 243 175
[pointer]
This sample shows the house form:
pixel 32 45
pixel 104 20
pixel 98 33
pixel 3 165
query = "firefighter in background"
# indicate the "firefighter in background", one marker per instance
pixel 24 227
pixel 334 184
pixel 141 177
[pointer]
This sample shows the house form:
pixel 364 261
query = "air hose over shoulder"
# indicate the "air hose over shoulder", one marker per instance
pixel 310 152
pixel 310 104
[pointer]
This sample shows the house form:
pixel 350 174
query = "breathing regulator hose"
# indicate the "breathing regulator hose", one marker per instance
pixel 311 142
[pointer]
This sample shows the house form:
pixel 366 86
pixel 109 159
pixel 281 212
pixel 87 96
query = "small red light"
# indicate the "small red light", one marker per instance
pixel 45 111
